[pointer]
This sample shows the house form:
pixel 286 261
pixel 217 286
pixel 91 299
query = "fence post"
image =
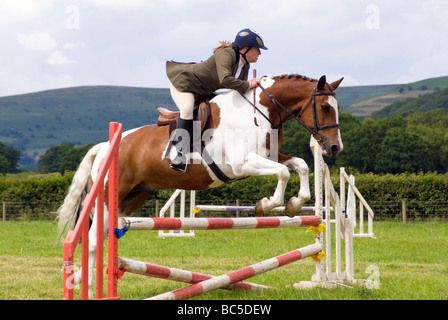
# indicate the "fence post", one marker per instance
pixel 4 211
pixel 237 204
pixel 403 210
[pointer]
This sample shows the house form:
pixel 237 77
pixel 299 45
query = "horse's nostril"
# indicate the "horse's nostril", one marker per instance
pixel 334 149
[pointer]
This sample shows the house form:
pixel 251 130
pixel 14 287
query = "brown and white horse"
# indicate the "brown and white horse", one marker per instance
pixel 238 146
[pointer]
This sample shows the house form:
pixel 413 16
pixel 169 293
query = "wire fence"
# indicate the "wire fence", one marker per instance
pixel 383 210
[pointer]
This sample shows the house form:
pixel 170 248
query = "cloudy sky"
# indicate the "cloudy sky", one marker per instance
pixel 49 44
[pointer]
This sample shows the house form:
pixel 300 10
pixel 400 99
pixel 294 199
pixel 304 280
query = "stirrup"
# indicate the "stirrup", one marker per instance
pixel 179 163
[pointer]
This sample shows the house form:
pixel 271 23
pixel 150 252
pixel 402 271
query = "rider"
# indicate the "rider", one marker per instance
pixel 227 68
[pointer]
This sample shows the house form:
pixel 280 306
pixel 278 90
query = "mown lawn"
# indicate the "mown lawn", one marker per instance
pixel 412 261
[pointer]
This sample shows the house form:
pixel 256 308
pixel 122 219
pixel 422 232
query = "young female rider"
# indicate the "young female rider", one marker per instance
pixel 228 68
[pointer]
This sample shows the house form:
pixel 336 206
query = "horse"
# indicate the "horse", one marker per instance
pixel 240 138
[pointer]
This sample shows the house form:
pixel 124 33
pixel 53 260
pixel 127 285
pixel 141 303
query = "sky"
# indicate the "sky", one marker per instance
pixel 49 44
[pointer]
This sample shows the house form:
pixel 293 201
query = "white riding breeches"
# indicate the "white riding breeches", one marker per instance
pixel 184 102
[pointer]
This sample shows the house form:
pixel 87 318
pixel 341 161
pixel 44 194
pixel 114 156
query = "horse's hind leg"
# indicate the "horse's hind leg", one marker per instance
pixel 299 165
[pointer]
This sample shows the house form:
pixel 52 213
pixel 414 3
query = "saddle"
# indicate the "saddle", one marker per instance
pixel 201 113
pixel 169 118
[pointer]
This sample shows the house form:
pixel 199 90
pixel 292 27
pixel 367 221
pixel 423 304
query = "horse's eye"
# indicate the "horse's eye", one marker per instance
pixel 325 108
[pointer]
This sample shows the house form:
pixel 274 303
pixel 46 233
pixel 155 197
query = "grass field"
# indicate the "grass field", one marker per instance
pixel 412 260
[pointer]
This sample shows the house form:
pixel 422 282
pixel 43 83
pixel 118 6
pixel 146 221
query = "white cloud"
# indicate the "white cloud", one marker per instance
pixel 74 45
pixel 13 11
pixel 118 4
pixel 58 58
pixel 347 82
pixel 126 42
pixel 434 64
pixel 37 41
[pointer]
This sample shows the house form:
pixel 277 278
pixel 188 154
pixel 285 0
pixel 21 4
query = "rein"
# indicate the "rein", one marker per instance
pixel 298 117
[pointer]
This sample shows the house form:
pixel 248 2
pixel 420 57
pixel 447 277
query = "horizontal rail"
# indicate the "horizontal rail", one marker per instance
pixel 157 271
pixel 245 208
pixel 217 223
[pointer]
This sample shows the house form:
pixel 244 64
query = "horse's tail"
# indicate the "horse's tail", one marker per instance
pixel 69 211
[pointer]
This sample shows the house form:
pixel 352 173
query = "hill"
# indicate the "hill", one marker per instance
pixel 362 101
pixel 423 103
pixel 34 122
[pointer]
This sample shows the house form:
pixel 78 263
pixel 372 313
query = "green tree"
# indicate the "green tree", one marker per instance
pixel 62 157
pixel 432 128
pixel 9 159
pixel 402 152
pixel 296 141
pixel 71 159
pixel 51 160
pixel 361 144
pixel 4 165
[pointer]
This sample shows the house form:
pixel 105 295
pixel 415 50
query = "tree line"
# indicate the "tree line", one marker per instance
pixel 39 196
pixel 411 143
pixel 406 143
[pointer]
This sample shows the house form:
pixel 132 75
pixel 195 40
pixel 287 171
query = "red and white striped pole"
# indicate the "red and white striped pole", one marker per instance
pixel 157 271
pixel 217 223
pixel 239 275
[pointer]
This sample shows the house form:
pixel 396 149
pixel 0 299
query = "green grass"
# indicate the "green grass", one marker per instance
pixel 412 260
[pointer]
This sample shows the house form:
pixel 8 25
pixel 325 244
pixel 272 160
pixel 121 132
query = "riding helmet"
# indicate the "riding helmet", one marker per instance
pixel 249 38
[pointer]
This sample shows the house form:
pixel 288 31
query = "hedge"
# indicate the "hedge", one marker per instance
pixel 425 191
pixel 426 194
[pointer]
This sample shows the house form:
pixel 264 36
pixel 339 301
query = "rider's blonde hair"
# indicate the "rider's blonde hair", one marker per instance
pixel 222 45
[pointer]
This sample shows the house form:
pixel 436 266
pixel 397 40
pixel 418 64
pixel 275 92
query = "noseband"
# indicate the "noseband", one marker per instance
pixel 298 117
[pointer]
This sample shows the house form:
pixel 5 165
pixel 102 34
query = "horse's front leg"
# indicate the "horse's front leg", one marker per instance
pixel 299 165
pixel 260 166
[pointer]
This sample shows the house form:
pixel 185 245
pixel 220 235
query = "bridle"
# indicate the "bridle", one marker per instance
pixel 298 116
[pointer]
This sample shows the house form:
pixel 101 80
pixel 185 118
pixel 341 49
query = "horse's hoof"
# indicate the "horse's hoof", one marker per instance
pixel 289 209
pixel 259 208
pixel 263 206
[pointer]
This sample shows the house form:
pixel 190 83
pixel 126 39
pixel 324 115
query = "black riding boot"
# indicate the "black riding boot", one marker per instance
pixel 181 140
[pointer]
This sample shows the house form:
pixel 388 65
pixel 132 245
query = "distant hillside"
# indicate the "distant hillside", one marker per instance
pixel 362 101
pixel 424 103
pixel 349 96
pixel 34 122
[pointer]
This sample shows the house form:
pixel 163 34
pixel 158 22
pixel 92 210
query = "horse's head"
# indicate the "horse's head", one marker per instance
pixel 312 103
pixel 321 116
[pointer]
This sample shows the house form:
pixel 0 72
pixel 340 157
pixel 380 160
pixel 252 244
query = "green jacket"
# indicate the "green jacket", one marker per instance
pixel 204 78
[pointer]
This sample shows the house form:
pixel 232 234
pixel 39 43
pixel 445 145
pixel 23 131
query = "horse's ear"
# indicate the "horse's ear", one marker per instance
pixel 321 83
pixel 336 84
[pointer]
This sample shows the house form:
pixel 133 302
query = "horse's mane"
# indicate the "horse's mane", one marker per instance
pixel 290 76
